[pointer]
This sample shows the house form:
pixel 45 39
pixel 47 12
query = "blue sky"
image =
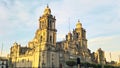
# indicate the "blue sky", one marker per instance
pixel 100 18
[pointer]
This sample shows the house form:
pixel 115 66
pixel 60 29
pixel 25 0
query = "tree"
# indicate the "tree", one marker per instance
pixel 71 63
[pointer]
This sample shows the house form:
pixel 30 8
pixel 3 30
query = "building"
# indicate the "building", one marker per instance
pixel 99 56
pixel 41 51
pixel 74 46
pixel 44 52
pixel 3 62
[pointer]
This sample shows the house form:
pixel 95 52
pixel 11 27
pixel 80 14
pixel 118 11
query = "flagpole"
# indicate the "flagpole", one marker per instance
pixel 1 49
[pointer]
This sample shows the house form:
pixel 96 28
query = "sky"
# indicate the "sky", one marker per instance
pixel 100 18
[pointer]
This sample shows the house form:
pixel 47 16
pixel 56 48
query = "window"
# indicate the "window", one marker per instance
pixel 53 38
pixel 41 39
pixel 50 24
pixel 50 38
pixel 83 35
pixel 53 25
pixel 41 25
pixel 77 45
pixel 77 35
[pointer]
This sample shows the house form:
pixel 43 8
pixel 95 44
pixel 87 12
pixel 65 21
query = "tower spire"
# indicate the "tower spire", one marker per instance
pixel 47 10
pixel 78 25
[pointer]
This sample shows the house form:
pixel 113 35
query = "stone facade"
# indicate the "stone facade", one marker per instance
pixel 99 56
pixel 74 46
pixel 44 52
pixel 41 51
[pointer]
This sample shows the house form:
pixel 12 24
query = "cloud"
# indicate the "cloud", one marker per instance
pixel 95 15
pixel 13 15
pixel 107 43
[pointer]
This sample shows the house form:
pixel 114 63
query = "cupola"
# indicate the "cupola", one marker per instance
pixel 47 11
pixel 78 25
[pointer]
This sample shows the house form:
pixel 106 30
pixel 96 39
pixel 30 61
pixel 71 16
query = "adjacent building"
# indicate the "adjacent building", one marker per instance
pixel 99 57
pixel 3 62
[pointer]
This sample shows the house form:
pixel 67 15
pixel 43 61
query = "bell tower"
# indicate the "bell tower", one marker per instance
pixel 46 33
pixel 81 34
pixel 46 40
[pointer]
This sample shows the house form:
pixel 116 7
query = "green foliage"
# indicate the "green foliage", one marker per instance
pixel 97 65
pixel 71 63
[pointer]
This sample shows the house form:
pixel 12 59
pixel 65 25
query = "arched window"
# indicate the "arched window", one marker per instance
pixel 50 24
pixel 40 38
pixel 50 38
pixel 40 25
pixel 77 45
pixel 77 35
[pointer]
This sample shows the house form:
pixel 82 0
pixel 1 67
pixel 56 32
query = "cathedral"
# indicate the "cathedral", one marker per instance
pixel 44 52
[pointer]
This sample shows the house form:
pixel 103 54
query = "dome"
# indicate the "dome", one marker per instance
pixel 78 25
pixel 47 10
